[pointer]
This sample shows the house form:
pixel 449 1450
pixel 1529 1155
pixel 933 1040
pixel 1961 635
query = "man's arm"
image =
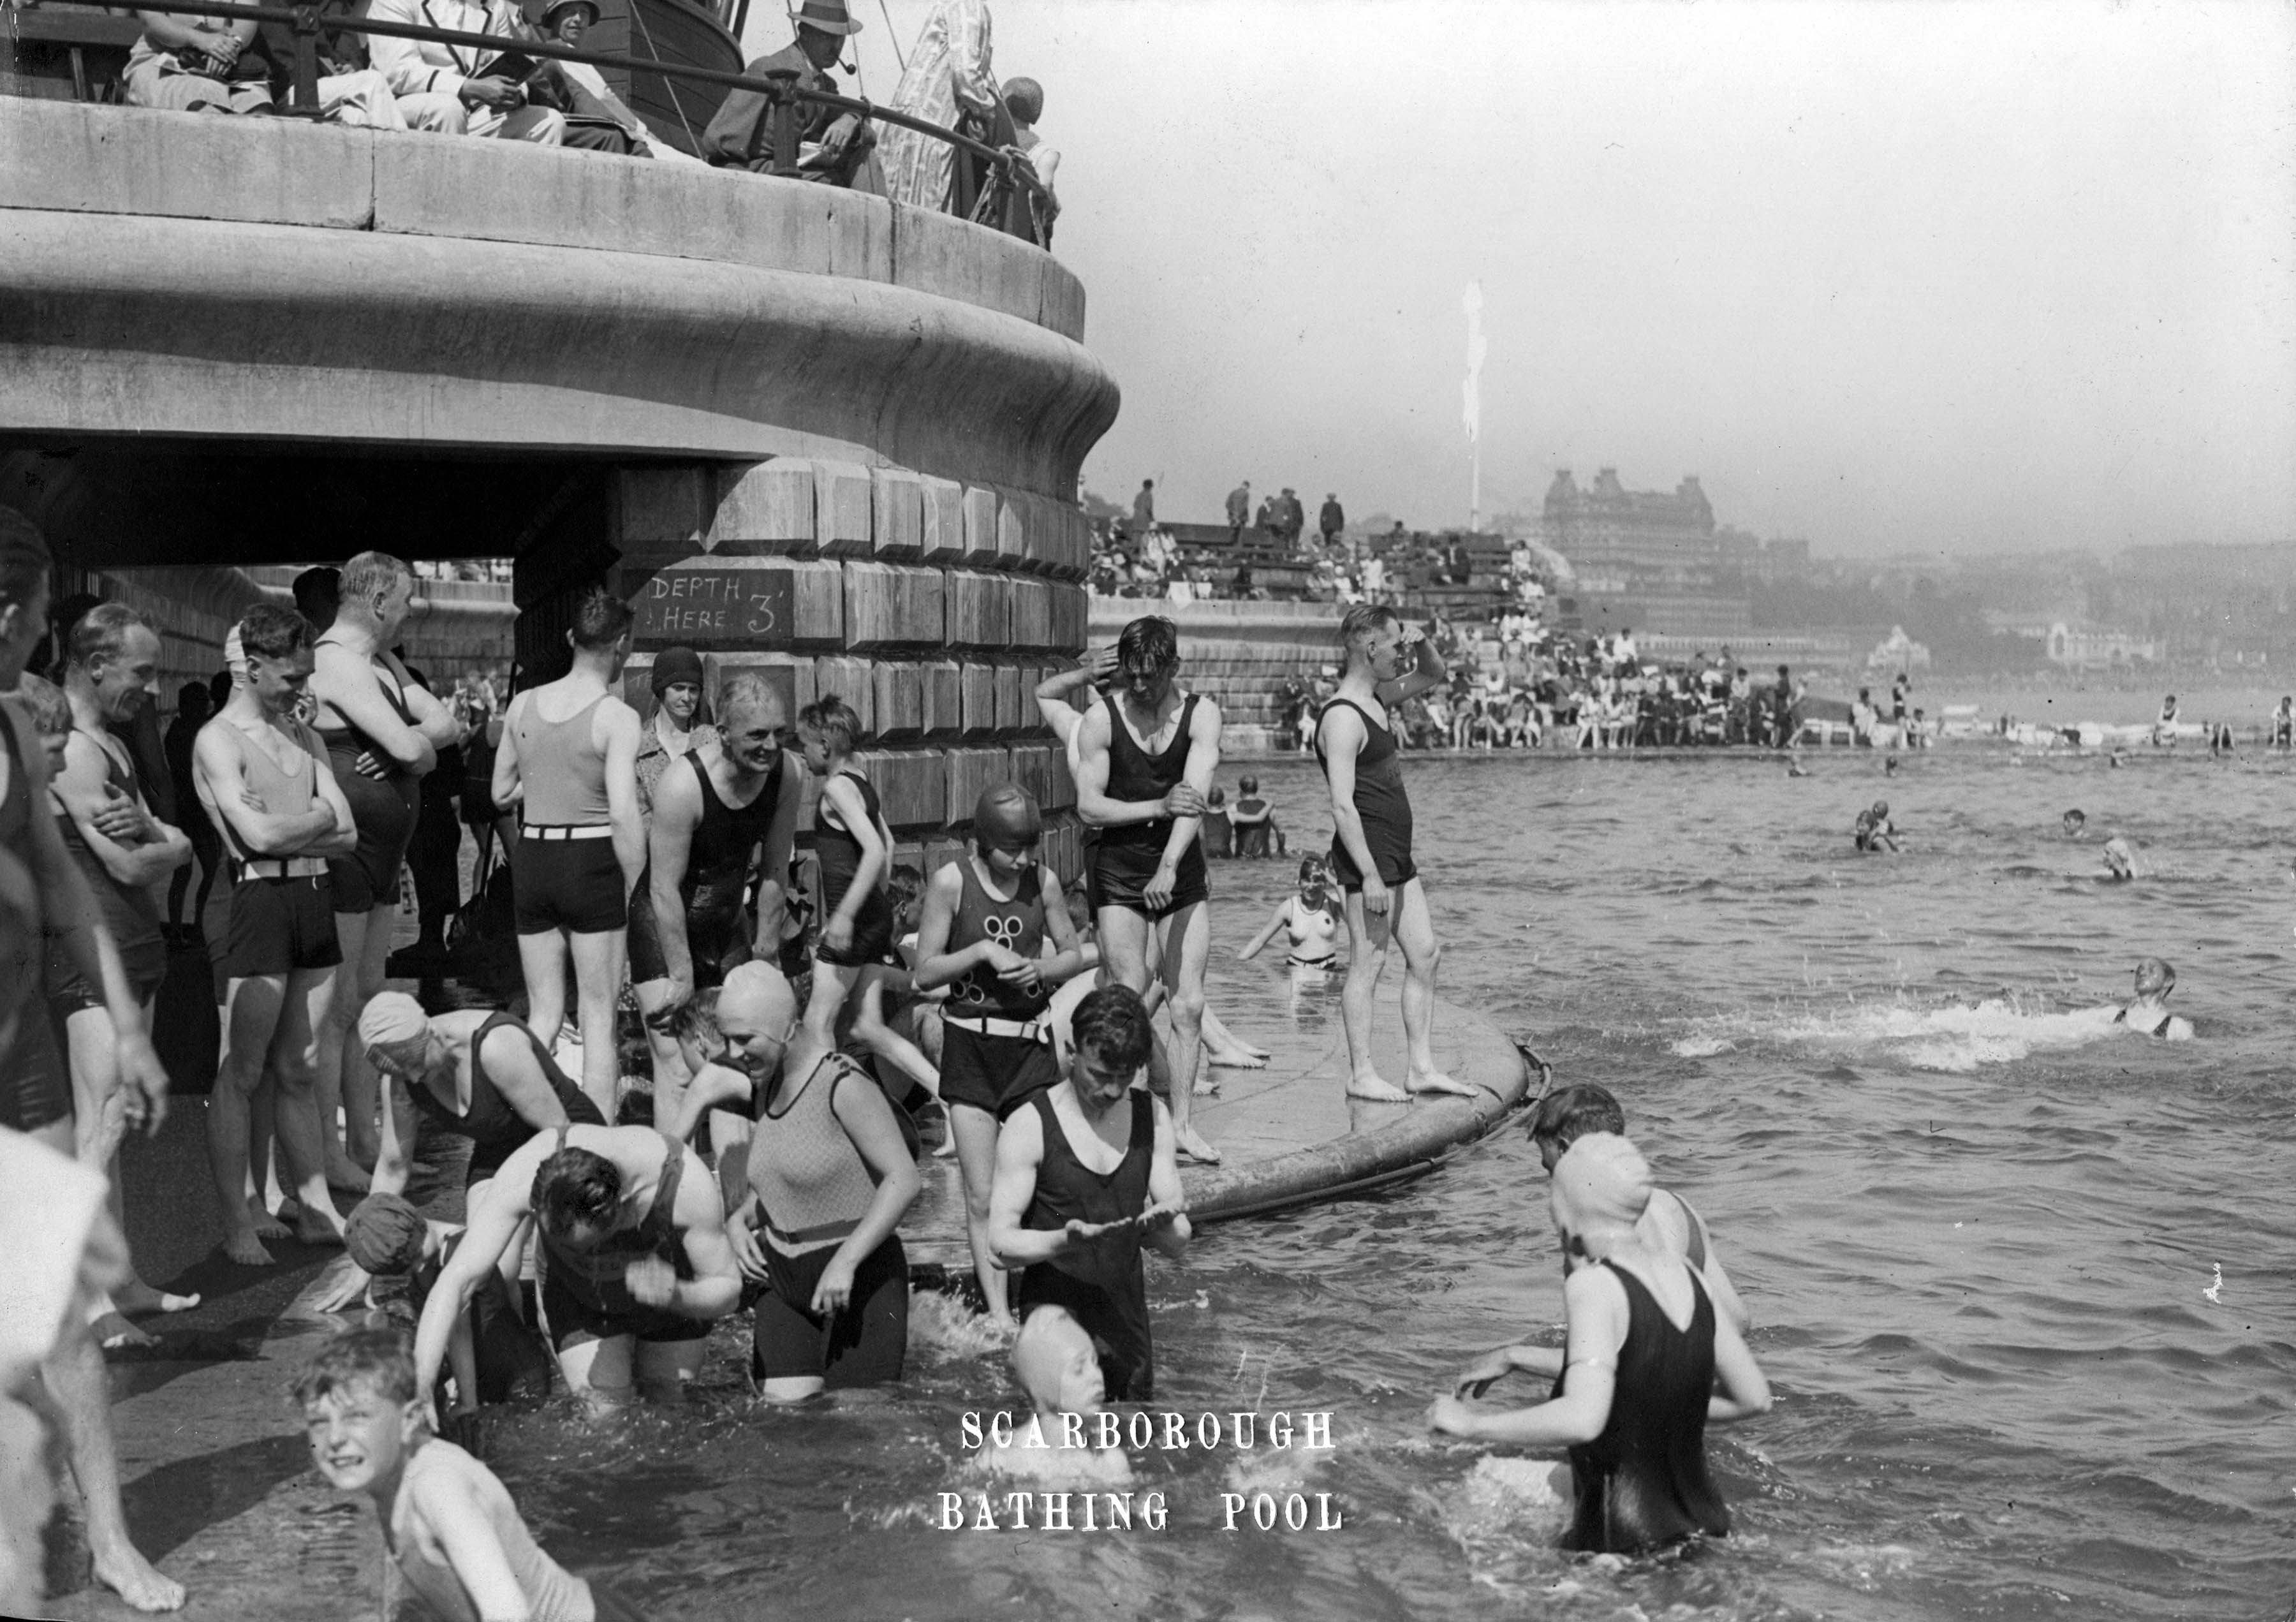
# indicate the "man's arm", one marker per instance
pixel 505 789
pixel 1596 1303
pixel 1092 803
pixel 343 838
pixel 1427 672
pixel 1342 737
pixel 400 60
pixel 781 838
pixel 714 1289
pixel 501 1207
pixel 1165 1220
pixel 348 683
pixel 516 1071
pixel 1203 760
pixel 220 771
pixel 669 848
pixel 620 748
pixel 1020 1149
pixel 432 718
pixel 86 790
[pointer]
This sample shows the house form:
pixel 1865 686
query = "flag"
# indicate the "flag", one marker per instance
pixel 1476 349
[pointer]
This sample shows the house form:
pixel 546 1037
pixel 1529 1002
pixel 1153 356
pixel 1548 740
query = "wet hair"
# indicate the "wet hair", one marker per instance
pixel 319 593
pixel 45 701
pixel 1024 99
pixel 272 631
pixel 1112 1024
pixel 903 884
pixel 1881 808
pixel 1568 1114
pixel 2154 977
pixel 368 573
pixel 601 619
pixel 1363 618
pixel 102 632
pixel 377 1360
pixel 1249 785
pixel 744 690
pixel 24 560
pixel 2075 815
pixel 1218 797
pixel 835 720
pixel 1311 867
pixel 575 1188
pixel 1150 644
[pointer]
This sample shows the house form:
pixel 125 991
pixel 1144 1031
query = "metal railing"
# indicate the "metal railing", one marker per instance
pixel 1010 171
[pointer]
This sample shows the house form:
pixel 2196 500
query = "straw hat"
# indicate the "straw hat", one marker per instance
pixel 830 16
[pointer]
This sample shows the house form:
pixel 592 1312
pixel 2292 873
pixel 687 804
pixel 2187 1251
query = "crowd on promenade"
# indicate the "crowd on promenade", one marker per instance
pixel 240 66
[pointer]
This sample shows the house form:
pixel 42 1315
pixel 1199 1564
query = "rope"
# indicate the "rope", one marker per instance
pixel 891 39
pixel 694 142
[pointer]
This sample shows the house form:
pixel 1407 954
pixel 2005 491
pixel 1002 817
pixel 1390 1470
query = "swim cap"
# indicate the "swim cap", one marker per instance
pixel 391 1018
pixel 384 1236
pixel 1042 1351
pixel 1005 816
pixel 758 989
pixel 1603 1178
pixel 672 666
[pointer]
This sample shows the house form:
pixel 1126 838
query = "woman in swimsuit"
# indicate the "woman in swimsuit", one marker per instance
pixel 1307 918
pixel 1649 1364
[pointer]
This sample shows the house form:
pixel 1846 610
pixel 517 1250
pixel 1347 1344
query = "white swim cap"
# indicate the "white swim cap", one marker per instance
pixel 391 1018
pixel 1601 1178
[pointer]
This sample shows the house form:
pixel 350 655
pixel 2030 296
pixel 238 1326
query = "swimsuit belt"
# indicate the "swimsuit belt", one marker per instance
pixel 805 1236
pixel 565 831
pixel 279 867
pixel 989 1025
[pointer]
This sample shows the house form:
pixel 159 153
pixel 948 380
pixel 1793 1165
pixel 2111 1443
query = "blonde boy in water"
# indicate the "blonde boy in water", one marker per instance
pixel 447 1521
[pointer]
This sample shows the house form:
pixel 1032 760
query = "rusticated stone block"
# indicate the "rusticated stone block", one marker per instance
pixel 1063 847
pixel 1034 630
pixel 938 679
pixel 941 533
pixel 849 679
pixel 1070 545
pixel 980 611
pixel 843 498
pixel 911 788
pixel 900 702
pixel 979 525
pixel 970 771
pixel 898 512
pixel 1040 768
pixel 893 605
pixel 977 700
pixel 1071 611
pixel 1011 531
pixel 1008 699
pixel 661 508
pixel 764 508
pixel 816 602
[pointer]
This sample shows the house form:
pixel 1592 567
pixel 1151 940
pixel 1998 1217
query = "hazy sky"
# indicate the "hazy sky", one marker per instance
pixel 1891 277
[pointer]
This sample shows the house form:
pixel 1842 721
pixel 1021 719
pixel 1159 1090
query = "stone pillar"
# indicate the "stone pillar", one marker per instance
pixel 933 608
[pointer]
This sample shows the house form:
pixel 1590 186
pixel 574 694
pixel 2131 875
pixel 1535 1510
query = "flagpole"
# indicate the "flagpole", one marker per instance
pixel 1473 304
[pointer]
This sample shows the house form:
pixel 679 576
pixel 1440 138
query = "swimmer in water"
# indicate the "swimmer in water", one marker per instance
pixel 1648 1365
pixel 1890 766
pixel 1875 831
pixel 1059 1368
pixel 2149 1015
pixel 2075 823
pixel 2119 860
pixel 1307 918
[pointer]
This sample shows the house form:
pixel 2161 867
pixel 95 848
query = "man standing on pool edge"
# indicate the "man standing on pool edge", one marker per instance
pixel 1371 845
pixel 1145 763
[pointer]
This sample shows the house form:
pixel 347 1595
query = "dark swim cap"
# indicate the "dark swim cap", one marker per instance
pixel 384 1236
pixel 1005 816
pixel 672 666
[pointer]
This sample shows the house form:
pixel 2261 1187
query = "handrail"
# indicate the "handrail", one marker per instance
pixel 779 87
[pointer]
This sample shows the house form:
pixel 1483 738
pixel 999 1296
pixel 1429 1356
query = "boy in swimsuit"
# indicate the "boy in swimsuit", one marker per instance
pixel 2149 1015
pixel 263 777
pixel 1146 760
pixel 1370 848
pixel 447 1521
pixel 2075 823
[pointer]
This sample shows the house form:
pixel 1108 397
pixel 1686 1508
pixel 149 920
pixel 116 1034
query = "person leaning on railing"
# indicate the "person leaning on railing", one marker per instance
pixel 835 147
pixel 446 88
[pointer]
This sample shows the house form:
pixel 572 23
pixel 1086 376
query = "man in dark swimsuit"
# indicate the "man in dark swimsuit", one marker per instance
pixel 1145 764
pixel 691 922
pixel 1370 848
pixel 634 1259
pixel 1086 1175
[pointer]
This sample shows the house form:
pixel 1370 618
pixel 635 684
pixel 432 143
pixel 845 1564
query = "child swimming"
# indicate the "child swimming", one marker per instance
pixel 1307 918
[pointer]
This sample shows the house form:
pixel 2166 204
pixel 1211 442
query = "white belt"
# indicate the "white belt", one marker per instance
pixel 989 1025
pixel 562 831
pixel 282 867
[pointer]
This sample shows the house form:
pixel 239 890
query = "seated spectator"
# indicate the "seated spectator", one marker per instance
pixel 835 147
pixel 448 89
pixel 350 91
pixel 1254 819
pixel 596 118
pixel 197 64
pixel 1024 101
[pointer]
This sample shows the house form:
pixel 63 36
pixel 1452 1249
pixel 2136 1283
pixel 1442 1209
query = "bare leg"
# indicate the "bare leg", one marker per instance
pixel 542 956
pixel 262 1156
pixel 351 936
pixel 294 1061
pixel 1228 1049
pixel 884 1041
pixel 975 1131
pixel 1366 957
pixel 251 1008
pixel 74 1375
pixel 669 1073
pixel 1414 932
pixel 99 1124
pixel 359 1089
pixel 598 959
pixel 833 983
pixel 1187 938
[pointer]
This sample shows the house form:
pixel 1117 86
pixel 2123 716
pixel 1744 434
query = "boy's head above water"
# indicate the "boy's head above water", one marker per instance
pixel 361 1414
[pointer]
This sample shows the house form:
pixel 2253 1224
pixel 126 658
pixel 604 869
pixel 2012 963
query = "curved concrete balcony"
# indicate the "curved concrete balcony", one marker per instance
pixel 258 279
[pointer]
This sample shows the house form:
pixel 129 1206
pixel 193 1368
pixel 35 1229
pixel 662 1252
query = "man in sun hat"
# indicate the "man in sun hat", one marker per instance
pixel 834 146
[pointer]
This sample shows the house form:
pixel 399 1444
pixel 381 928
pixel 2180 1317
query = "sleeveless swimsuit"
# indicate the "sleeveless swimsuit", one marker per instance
pixel 552 1593
pixel 1380 801
pixel 584 1294
pixel 815 1188
pixel 564 874
pixel 129 912
pixel 717 925
pixel 838 855
pixel 1127 857
pixel 35 1088
pixel 382 809
pixel 496 1130
pixel 1102 1287
pixel 995 1070
pixel 1643 1482
pixel 277 924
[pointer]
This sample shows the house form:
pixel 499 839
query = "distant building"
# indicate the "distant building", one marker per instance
pixel 1898 651
pixel 2099 647
pixel 1651 560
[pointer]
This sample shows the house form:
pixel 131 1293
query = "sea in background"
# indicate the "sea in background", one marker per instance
pixel 2022 1282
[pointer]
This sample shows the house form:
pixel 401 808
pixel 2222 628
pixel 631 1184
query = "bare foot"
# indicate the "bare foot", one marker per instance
pixel 1369 1083
pixel 1190 1144
pixel 113 1333
pixel 947 1150
pixel 246 1249
pixel 1435 1081
pixel 312 1228
pixel 139 1300
pixel 263 1224
pixel 1207 1082
pixel 346 1174
pixel 131 1577
pixel 1240 1059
